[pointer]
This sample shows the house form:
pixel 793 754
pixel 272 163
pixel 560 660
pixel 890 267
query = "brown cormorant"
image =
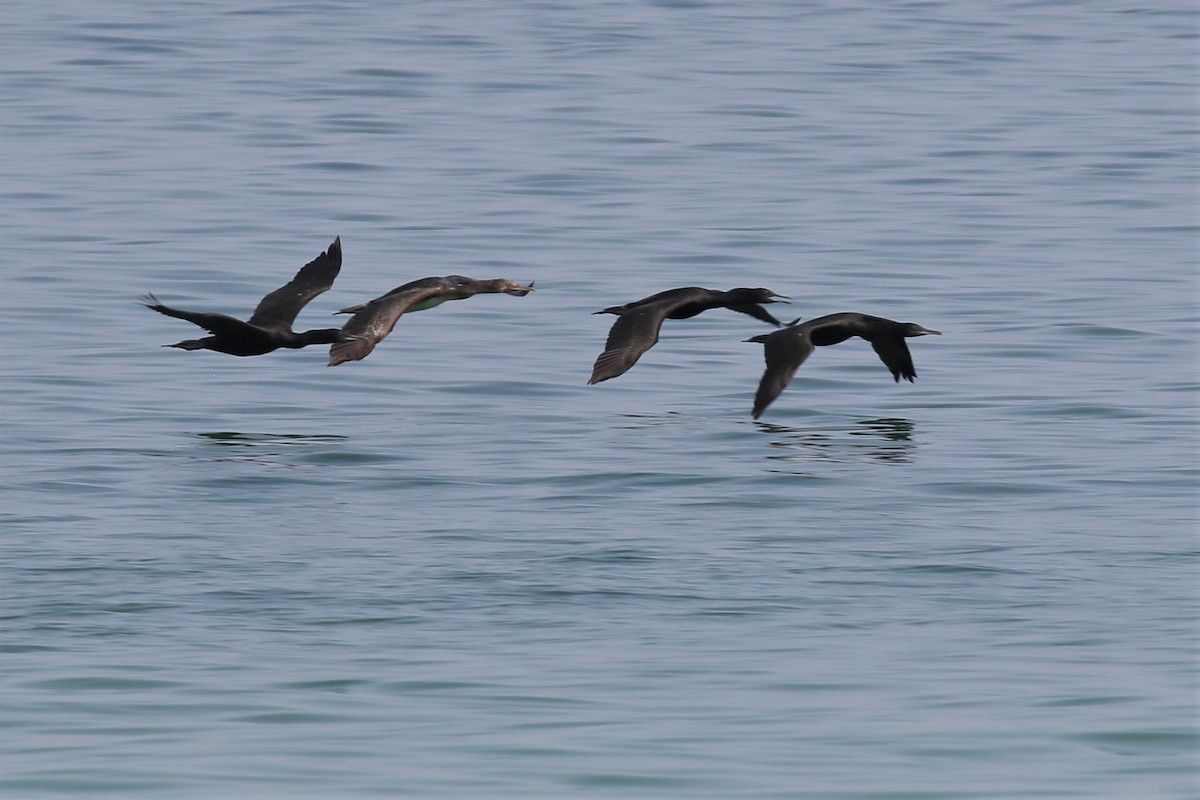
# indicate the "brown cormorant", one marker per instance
pixel 374 320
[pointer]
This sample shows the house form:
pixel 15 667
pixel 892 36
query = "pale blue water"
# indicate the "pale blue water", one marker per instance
pixel 453 570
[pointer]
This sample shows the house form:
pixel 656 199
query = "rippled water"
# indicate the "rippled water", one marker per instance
pixel 453 569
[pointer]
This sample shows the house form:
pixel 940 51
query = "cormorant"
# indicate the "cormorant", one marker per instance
pixel 786 349
pixel 636 329
pixel 270 327
pixel 374 320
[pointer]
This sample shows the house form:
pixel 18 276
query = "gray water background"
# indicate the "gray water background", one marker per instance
pixel 453 569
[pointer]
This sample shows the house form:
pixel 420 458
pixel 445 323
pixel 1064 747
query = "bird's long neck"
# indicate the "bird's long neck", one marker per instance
pixel 489 286
pixel 318 336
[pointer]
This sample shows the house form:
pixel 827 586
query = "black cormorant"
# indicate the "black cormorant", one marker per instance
pixel 785 350
pixel 636 329
pixel 270 327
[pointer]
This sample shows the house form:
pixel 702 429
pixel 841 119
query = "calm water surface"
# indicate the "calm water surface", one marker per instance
pixel 454 570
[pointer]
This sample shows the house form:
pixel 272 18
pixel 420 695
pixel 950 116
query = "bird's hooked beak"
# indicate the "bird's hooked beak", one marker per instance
pixel 925 330
pixel 520 291
pixel 780 298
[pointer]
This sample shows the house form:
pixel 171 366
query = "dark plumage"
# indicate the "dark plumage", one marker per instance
pixel 270 327
pixel 785 350
pixel 374 320
pixel 636 329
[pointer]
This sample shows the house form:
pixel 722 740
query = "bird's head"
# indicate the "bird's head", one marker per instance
pixel 744 295
pixel 913 329
pixel 516 289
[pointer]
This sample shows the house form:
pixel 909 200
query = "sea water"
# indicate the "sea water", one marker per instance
pixel 453 569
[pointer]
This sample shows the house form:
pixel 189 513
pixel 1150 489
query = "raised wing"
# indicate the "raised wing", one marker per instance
pixel 280 307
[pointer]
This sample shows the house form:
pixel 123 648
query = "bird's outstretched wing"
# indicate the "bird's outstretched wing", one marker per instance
pixel 784 351
pixel 634 332
pixel 373 321
pixel 280 307
pixel 893 352
pixel 216 324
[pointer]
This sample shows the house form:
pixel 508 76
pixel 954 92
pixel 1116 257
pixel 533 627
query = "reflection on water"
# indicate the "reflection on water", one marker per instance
pixel 635 422
pixel 268 447
pixel 896 429
pixel 883 439
pixel 235 439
